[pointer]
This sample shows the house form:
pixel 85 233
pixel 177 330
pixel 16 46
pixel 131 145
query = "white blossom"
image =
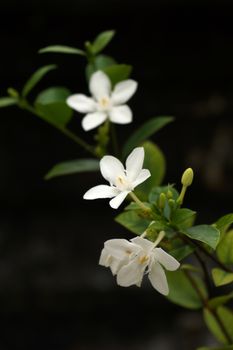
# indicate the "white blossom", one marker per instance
pixel 130 261
pixel 104 103
pixel 122 181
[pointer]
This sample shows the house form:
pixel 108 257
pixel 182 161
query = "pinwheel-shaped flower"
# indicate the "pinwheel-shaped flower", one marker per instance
pixel 122 181
pixel 104 104
pixel 131 260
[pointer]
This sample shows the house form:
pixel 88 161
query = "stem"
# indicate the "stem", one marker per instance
pixel 205 271
pixel 137 200
pixel 206 305
pixel 65 131
pixel 182 194
pixel 114 140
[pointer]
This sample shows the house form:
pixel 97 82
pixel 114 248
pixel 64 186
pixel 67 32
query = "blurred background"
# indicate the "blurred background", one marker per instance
pixel 53 294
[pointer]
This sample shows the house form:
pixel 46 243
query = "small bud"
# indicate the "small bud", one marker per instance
pixel 169 194
pixel 162 200
pixel 171 203
pixel 187 177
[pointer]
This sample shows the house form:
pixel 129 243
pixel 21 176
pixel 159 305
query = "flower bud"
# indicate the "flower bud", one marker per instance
pixel 162 200
pixel 171 203
pixel 187 177
pixel 169 194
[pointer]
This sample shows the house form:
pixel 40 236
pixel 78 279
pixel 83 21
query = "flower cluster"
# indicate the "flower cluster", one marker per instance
pixel 129 261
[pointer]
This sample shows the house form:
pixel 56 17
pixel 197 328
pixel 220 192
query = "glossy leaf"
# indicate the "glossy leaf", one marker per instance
pixel 220 300
pixel 133 221
pixel 226 317
pixel 51 106
pixel 181 252
pixel 221 277
pixel 101 41
pixel 118 72
pixel 36 77
pixel 100 62
pixel 62 49
pixel 155 162
pixel 183 218
pixel 7 101
pixel 224 222
pixel 73 167
pixel 225 248
pixel 204 233
pixel 181 291
pixel 144 132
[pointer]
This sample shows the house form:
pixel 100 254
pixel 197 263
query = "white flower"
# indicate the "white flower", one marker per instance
pixel 131 260
pixel 104 104
pixel 122 181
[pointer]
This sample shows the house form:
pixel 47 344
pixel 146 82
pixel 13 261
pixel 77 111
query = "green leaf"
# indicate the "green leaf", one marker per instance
pixel 118 72
pixel 225 316
pixel 73 167
pixel 36 77
pixel 144 132
pixel 100 63
pixel 62 49
pixel 224 249
pixel 51 106
pixel 156 191
pixel 101 41
pixel 133 221
pixel 181 252
pixel 7 101
pixel 183 218
pixel 221 277
pixel 181 291
pixel 218 301
pixel 224 222
pixel 204 233
pixel 155 162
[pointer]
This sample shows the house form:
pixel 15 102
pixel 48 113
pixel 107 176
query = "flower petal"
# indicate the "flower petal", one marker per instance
pixel 143 176
pixel 104 258
pixel 111 168
pixel 92 120
pixel 130 274
pixel 121 115
pixel 123 91
pixel 100 85
pixel 134 163
pixel 166 259
pixel 158 278
pixel 116 202
pixel 81 103
pixel 101 191
pixel 145 244
pixel 120 248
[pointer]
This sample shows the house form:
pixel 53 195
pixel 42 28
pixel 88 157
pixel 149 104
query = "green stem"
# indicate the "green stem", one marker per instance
pixel 137 200
pixel 114 140
pixel 181 196
pixel 207 306
pixel 25 105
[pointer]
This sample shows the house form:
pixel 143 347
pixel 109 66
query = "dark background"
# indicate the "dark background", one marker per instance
pixel 53 294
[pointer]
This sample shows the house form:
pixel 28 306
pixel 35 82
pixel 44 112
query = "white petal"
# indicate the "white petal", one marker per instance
pixel 143 176
pixel 111 168
pixel 158 278
pixel 120 248
pixel 121 115
pixel 101 191
pixel 116 202
pixel 115 265
pixel 123 91
pixel 92 120
pixel 81 103
pixel 100 85
pixel 145 244
pixel 134 163
pixel 104 258
pixel 166 259
pixel 130 274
